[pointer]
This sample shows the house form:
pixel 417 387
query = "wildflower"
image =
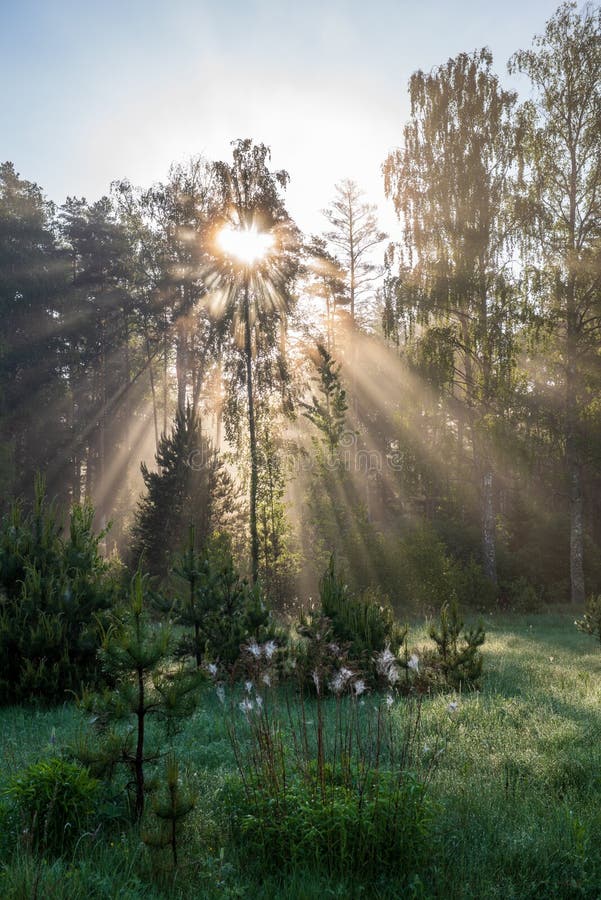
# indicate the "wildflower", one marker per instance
pixel 212 669
pixel 266 679
pixel 254 649
pixel 269 649
pixel 452 707
pixel 384 660
pixel 220 691
pixel 246 705
pixel 248 686
pixel 413 663
pixel 393 675
pixel 359 687
pixel 389 700
pixel 340 680
pixel 386 665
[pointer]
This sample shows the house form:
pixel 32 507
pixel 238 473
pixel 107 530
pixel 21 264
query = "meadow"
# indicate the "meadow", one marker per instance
pixel 515 791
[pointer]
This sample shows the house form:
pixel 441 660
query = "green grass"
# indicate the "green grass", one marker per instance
pixel 518 790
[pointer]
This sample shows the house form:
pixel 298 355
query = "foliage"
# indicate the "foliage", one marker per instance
pixel 54 591
pixel 363 623
pixel 514 789
pixel 590 623
pixel 56 799
pixel 169 807
pixel 457 654
pixel 253 301
pixel 223 610
pixel 346 793
pixel 137 656
pixel 190 487
pixel 328 412
pixel 383 827
pixel 560 214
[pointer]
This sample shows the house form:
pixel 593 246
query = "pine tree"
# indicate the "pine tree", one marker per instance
pixel 136 654
pixel 327 412
pixel 170 806
pixel 191 487
pixel 223 610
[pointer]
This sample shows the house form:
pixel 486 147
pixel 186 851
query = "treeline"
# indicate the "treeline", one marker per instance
pixel 435 420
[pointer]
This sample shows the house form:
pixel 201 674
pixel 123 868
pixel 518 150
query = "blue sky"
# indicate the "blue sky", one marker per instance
pixel 95 91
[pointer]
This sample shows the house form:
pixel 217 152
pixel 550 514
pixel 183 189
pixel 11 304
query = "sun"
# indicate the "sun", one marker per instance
pixel 245 244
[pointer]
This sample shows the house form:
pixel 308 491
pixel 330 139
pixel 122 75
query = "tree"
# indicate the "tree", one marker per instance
pixel 562 219
pixel 137 656
pixel 54 594
pixel 191 487
pixel 328 412
pixel 222 609
pixel 355 234
pixel 32 277
pixel 251 287
pixel 97 353
pixel 451 184
pixel 325 281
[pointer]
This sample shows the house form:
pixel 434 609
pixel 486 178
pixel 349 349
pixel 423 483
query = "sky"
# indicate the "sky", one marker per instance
pixel 96 91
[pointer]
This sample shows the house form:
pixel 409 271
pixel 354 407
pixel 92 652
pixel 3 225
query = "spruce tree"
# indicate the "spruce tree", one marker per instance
pixel 190 487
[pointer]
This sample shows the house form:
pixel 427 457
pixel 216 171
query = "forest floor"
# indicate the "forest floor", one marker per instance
pixel 517 790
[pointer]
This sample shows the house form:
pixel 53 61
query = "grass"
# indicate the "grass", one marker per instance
pixel 517 788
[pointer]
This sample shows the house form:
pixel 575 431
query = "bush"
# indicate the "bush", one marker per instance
pixel 222 611
pixel 56 799
pixel 522 596
pixel 363 624
pixel 53 592
pixel 457 656
pixel 590 623
pixel 340 831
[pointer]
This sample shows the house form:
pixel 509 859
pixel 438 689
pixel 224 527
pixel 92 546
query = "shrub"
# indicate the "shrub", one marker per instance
pixel 522 596
pixel 590 623
pixel 335 785
pixel 222 611
pixel 170 806
pixel 56 799
pixel 362 624
pixel 342 831
pixel 53 593
pixel 457 655
pixel 137 656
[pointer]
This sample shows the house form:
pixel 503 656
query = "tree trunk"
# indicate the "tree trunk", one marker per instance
pixel 489 528
pixel 181 364
pixel 139 760
pixel 576 536
pixel 254 469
